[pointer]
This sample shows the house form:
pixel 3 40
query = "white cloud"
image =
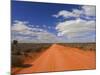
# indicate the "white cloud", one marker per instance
pixel 77 11
pixel 20 27
pixel 69 29
pixel 85 10
pixel 75 28
pixel 89 10
pixel 66 14
pixel 44 26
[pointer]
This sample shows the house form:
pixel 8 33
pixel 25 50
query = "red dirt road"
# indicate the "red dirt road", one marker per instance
pixel 60 58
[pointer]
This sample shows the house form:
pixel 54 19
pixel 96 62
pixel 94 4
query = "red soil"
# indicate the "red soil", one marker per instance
pixel 60 58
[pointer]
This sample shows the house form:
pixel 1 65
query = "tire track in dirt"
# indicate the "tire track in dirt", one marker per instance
pixel 60 58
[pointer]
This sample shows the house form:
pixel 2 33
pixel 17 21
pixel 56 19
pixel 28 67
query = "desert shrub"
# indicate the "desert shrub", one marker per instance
pixel 15 42
pixel 38 49
pixel 17 60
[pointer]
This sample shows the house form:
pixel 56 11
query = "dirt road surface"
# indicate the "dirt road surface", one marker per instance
pixel 61 58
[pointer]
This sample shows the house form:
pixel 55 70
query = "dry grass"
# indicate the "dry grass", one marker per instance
pixel 31 50
pixel 83 46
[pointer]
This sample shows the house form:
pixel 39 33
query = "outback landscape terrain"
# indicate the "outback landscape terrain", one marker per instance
pixel 52 37
pixel 48 57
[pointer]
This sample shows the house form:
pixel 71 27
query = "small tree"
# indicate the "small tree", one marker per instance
pixel 15 42
pixel 15 47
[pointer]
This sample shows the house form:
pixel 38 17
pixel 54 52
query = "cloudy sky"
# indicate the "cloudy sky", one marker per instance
pixel 50 23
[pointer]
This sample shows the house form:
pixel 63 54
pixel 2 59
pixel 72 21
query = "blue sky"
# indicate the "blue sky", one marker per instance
pixel 37 13
pixel 57 22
